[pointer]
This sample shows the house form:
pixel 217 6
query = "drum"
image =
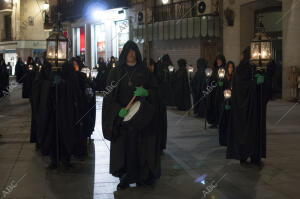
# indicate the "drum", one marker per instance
pixel 139 115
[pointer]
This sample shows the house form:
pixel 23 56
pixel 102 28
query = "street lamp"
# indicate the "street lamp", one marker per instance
pixel 57 49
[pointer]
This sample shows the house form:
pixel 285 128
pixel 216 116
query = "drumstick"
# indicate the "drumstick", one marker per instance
pixel 130 103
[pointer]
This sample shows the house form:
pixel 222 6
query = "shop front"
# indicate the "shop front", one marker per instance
pixel 101 38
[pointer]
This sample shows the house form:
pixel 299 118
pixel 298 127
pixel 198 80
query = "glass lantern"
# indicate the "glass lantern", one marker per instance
pixel 190 69
pixel 208 72
pixel 171 68
pixel 227 94
pixel 261 50
pixel 221 73
pixel 57 51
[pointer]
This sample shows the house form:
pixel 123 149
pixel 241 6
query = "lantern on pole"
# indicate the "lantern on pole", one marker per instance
pixel 261 47
pixel 57 49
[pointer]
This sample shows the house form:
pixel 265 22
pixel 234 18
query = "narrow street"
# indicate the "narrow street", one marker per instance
pixel 191 152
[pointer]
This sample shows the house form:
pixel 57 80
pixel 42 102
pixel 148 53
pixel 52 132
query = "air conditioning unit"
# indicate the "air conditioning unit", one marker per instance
pixel 206 7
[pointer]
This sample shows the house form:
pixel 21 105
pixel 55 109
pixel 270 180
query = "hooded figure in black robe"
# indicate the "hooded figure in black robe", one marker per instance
pixel 20 70
pixel 30 72
pixel 30 75
pixel 69 118
pixel 4 77
pixel 216 97
pixel 134 154
pixel 112 63
pixel 182 87
pixel 162 121
pixel 44 109
pixel 102 75
pixel 250 94
pixel 225 126
pixel 198 86
pixel 86 107
pixel 165 80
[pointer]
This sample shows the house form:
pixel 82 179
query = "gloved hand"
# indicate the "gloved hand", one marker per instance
pixel 141 92
pixel 123 112
pixel 221 83
pixel 227 107
pixel 260 79
pixel 56 79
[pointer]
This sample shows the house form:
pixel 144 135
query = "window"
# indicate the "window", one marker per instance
pixel 7 27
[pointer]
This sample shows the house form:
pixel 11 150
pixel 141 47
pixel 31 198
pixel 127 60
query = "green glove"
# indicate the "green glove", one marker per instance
pixel 140 92
pixel 220 84
pixel 123 112
pixel 227 107
pixel 260 79
pixel 56 79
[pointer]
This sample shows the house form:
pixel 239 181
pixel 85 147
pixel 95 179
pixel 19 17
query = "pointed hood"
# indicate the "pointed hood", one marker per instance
pixel 130 45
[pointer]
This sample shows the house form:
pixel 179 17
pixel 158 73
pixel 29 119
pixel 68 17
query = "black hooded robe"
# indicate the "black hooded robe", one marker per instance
pixel 183 97
pixel 4 79
pixel 136 153
pixel 198 86
pixel 249 102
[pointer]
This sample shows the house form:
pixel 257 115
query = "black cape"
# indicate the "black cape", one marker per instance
pixel 118 96
pixel 198 86
pixel 183 97
pixel 249 102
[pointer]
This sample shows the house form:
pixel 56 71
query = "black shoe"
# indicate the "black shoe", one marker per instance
pixel 122 185
pixel 213 126
pixel 256 161
pixel 243 161
pixel 52 166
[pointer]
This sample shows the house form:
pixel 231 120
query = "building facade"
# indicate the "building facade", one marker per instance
pixel 179 28
pixel 22 29
pixel 97 28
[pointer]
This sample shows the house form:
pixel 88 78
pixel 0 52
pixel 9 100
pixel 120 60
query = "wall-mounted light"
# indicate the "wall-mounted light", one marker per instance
pixel 46 5
pixel 165 1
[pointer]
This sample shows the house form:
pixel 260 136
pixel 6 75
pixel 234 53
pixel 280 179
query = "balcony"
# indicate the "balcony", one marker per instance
pixel 173 11
pixel 5 6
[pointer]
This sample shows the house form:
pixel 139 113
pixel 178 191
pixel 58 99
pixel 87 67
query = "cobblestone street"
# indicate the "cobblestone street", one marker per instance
pixel 191 152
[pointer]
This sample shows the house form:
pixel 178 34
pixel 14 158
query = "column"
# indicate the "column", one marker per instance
pixel 88 45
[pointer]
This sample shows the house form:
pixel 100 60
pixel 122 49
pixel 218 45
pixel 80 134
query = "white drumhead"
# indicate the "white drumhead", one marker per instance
pixel 132 111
